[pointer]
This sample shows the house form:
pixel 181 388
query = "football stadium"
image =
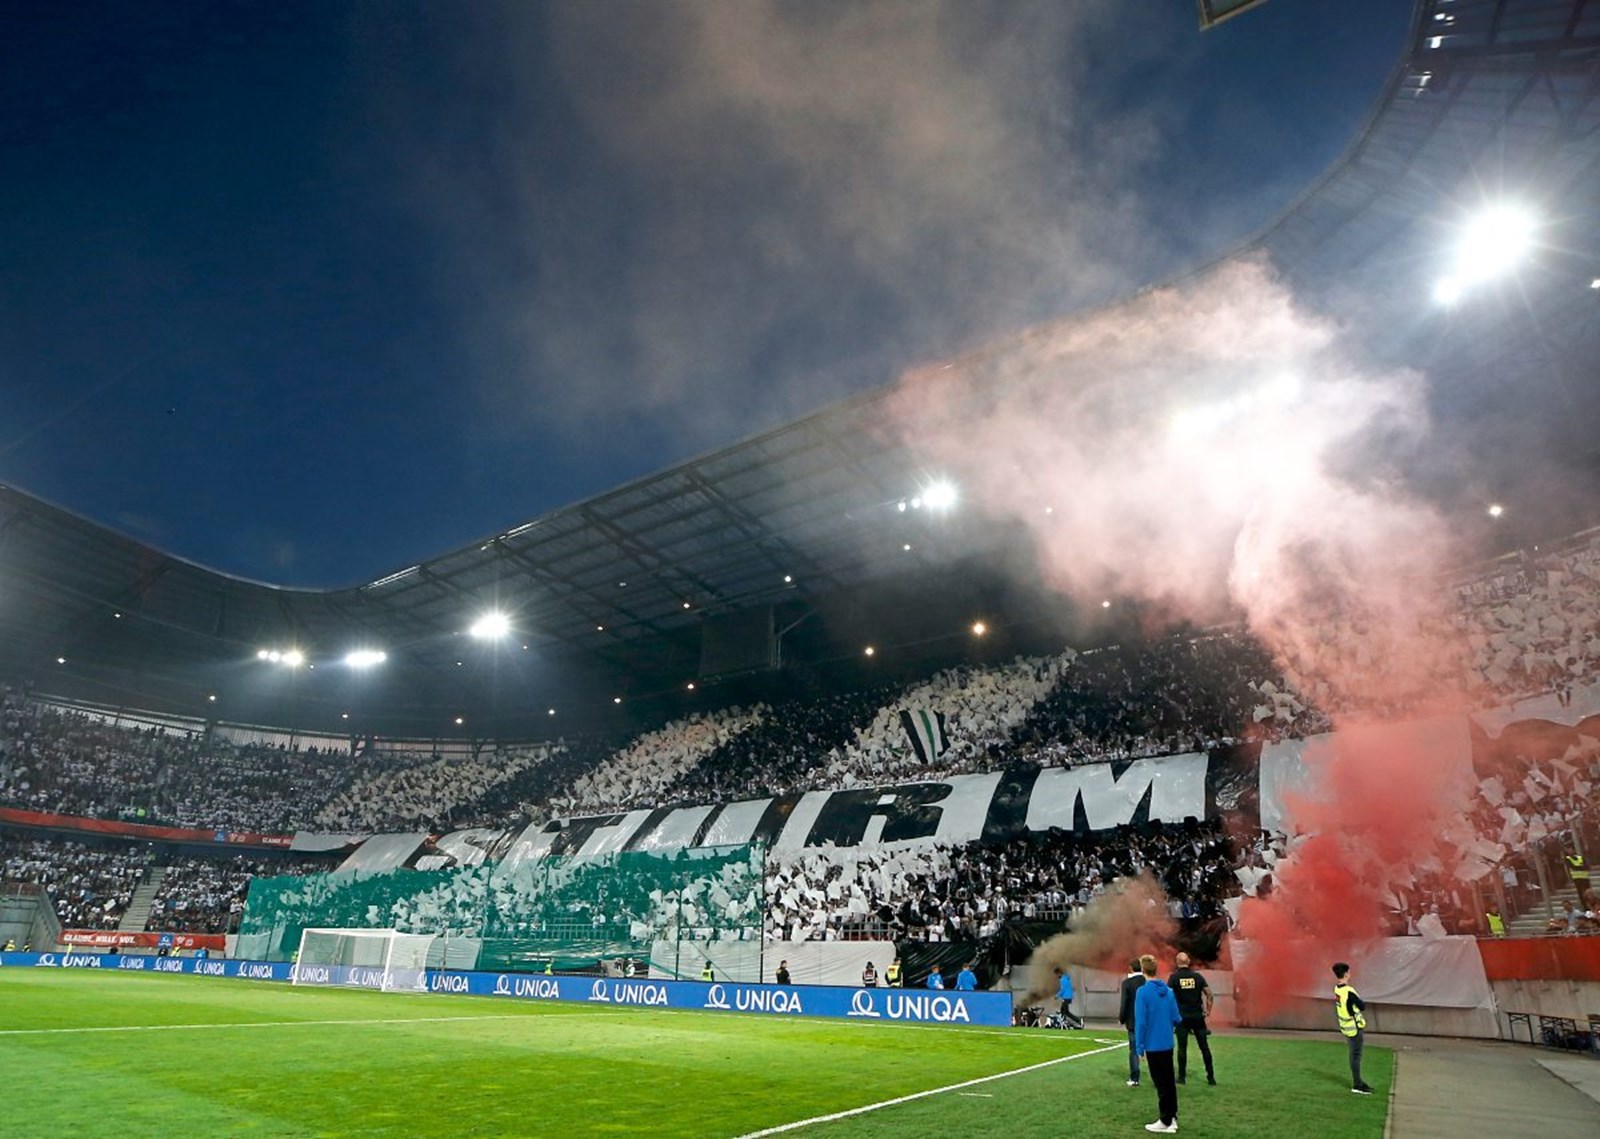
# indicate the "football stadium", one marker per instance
pixel 1177 706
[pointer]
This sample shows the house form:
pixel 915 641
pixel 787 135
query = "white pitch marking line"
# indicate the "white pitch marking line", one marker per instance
pixel 977 1095
pixel 795 1126
pixel 249 1024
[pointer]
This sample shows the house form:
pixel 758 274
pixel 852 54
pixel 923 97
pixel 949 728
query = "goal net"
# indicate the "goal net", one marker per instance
pixel 363 958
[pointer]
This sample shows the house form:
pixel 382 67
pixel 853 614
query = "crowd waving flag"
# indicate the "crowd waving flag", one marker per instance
pixel 925 729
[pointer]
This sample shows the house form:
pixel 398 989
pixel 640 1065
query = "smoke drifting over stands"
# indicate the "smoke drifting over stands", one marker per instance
pixel 1530 625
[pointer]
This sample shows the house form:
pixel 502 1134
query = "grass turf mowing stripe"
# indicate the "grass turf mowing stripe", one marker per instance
pixel 837 1115
pixel 250 1024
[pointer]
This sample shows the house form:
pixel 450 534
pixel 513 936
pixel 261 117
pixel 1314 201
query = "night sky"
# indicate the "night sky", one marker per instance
pixel 308 292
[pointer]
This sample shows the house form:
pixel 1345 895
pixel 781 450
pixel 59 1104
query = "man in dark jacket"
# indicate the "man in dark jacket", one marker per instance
pixel 1130 990
pixel 1194 1002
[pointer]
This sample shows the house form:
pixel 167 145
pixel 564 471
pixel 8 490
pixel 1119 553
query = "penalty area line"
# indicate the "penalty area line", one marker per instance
pixel 837 1115
pixel 249 1024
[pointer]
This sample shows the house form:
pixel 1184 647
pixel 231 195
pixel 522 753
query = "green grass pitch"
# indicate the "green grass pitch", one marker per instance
pixel 127 1055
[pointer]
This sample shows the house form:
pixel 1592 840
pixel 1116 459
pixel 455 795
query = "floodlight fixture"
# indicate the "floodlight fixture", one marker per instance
pixel 979 628
pixel 263 654
pixel 940 496
pixel 294 658
pixel 1492 243
pixel 491 626
pixel 1496 510
pixel 870 651
pixel 365 658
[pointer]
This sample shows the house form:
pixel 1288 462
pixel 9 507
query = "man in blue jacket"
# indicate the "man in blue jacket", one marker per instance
pixel 1155 1015
pixel 1064 995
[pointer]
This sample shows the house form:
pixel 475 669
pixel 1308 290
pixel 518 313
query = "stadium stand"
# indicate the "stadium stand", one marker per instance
pixel 1530 625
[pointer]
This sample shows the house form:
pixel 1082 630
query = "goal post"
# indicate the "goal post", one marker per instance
pixel 382 959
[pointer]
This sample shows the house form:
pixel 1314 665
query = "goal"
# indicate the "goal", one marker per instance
pixel 363 958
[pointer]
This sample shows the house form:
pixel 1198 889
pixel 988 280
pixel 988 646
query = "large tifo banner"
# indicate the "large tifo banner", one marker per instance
pixel 919 1006
pixel 993 807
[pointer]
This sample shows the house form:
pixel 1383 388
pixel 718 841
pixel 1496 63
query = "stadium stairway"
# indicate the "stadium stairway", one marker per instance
pixel 144 896
pixel 1535 923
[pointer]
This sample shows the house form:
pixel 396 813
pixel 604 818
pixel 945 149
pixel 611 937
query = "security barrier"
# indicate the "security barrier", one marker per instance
pixel 917 1006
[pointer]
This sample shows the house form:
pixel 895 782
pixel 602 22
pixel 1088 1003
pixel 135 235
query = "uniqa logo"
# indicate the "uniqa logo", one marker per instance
pixel 169 965
pixel 502 986
pixel 256 972
pixel 46 961
pixel 212 968
pixel 80 961
pixel 131 963
pixel 717 997
pixel 597 992
pixel 629 993
pixel 448 983
pixel 546 988
pixel 861 1005
pixel 767 1000
pixel 905 1006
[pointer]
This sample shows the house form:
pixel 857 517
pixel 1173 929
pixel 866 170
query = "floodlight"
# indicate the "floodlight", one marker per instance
pixel 940 496
pixel 1494 241
pixel 979 628
pixel 365 658
pixel 263 654
pixel 616 700
pixel 870 651
pixel 294 658
pixel 1496 510
pixel 491 626
pixel 459 721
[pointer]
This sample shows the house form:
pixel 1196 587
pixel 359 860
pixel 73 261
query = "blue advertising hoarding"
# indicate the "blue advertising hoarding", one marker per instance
pixel 911 1006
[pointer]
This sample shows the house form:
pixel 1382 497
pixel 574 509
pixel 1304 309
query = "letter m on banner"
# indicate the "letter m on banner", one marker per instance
pixel 925 729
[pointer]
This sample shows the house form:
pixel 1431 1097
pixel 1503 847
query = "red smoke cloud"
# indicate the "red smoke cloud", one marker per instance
pixel 1215 450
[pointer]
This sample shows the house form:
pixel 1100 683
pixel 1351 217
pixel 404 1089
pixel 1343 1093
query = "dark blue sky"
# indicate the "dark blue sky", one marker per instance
pixel 311 291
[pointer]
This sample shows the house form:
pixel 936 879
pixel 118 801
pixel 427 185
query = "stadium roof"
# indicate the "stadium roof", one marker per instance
pixel 1493 99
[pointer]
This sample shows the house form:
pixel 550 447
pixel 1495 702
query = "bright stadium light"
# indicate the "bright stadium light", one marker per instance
pixel 263 654
pixel 1492 243
pixel 491 627
pixel 940 496
pixel 979 628
pixel 294 658
pixel 365 658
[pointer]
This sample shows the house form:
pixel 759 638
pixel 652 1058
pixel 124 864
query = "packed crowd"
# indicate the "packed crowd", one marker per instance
pixel 63 762
pixel 1533 622
pixel 207 895
pixel 419 791
pixel 90 886
pixel 943 892
pixel 639 773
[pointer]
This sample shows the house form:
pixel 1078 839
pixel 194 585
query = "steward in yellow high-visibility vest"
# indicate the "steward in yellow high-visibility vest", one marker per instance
pixel 891 975
pixel 1579 871
pixel 1350 1010
pixel 706 974
pixel 1497 924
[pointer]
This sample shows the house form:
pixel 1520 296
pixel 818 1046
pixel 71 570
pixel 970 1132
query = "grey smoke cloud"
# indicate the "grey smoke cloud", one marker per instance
pixel 1210 449
pixel 797 196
